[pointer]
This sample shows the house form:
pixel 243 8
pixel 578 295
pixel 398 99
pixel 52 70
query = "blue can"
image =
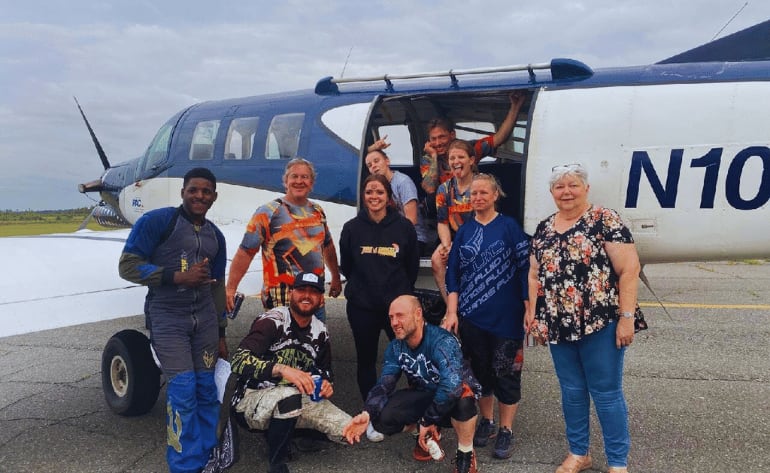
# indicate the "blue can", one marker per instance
pixel 316 396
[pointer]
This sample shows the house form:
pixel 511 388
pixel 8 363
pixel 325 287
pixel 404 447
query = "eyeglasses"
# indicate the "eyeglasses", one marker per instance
pixel 567 167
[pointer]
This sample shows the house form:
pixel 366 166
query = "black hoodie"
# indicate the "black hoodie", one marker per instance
pixel 379 260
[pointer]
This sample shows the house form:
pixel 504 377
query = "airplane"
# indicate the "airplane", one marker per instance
pixel 678 148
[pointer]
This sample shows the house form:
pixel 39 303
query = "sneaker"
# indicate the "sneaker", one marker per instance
pixel 373 435
pixel 420 454
pixel 484 431
pixel 504 444
pixel 465 462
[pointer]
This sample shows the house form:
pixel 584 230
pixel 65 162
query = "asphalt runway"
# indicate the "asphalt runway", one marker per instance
pixel 697 385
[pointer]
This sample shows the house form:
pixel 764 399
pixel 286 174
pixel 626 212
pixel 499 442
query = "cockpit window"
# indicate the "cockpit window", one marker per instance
pixel 158 149
pixel 202 146
pixel 240 138
pixel 283 136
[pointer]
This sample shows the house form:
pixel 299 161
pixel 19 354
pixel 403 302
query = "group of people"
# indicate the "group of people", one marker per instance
pixel 572 285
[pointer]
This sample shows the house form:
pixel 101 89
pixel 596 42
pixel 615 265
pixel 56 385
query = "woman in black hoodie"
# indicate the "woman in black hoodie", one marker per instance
pixel 379 258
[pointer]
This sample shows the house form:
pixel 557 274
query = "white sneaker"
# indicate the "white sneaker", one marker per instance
pixel 373 435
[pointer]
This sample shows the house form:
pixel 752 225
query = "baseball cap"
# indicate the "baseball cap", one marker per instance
pixel 309 279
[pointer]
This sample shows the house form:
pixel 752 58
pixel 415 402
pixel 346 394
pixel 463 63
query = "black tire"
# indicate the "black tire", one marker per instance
pixel 130 377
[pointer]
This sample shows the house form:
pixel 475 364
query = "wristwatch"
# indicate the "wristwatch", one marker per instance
pixel 627 315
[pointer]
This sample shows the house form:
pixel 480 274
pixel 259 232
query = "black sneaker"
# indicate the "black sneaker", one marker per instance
pixel 465 462
pixel 484 431
pixel 504 443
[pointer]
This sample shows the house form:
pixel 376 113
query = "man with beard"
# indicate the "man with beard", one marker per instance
pixel 276 363
pixel 181 257
pixel 441 392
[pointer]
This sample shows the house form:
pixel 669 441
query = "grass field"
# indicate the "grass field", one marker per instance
pixel 44 222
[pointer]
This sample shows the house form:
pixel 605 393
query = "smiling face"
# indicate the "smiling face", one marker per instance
pixel 197 198
pixel 375 197
pixel 570 193
pixel 406 319
pixel 304 301
pixel 298 182
pixel 483 195
pixel 460 162
pixel 440 138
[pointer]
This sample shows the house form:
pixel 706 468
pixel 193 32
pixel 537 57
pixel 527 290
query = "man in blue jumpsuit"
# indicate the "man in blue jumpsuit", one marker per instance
pixel 181 257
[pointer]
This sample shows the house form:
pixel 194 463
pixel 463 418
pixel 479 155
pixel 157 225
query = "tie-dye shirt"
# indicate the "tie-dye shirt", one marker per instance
pixel 292 239
pixel 452 206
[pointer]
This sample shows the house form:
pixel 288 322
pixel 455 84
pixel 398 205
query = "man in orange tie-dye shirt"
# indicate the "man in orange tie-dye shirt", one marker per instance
pixel 294 238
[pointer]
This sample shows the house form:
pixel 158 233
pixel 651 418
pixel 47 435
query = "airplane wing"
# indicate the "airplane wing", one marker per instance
pixel 750 44
pixel 52 281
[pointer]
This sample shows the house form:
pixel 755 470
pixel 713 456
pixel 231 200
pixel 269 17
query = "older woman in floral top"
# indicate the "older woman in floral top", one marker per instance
pixel 583 282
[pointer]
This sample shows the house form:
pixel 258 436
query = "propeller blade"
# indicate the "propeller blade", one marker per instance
pixel 99 150
pixel 87 219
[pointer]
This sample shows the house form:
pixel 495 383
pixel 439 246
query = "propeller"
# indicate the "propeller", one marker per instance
pixel 88 219
pixel 99 150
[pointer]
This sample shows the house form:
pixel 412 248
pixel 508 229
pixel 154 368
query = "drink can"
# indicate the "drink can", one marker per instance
pixel 434 449
pixel 237 301
pixel 530 340
pixel 316 395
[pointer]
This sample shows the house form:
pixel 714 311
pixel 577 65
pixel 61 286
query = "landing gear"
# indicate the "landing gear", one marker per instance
pixel 130 377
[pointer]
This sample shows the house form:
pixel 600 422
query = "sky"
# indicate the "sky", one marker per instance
pixel 133 64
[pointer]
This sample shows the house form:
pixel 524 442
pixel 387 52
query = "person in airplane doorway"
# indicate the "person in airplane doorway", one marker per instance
pixel 284 373
pixel 380 259
pixel 441 391
pixel 583 283
pixel 487 296
pixel 181 257
pixel 294 238
pixel 453 207
pixel 404 190
pixel 434 164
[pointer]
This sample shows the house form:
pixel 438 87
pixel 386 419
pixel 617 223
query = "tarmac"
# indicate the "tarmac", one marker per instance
pixel 697 385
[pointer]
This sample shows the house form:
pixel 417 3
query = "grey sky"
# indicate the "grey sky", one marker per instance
pixel 132 64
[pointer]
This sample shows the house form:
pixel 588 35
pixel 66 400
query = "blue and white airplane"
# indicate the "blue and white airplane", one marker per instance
pixel 680 148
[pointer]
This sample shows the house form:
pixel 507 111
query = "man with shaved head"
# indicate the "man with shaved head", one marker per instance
pixel 441 392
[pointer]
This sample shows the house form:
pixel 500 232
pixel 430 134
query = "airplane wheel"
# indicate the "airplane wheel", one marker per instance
pixel 130 377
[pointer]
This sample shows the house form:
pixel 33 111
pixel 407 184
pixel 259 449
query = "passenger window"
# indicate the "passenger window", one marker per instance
pixel 283 136
pixel 202 146
pixel 474 131
pixel 240 138
pixel 400 150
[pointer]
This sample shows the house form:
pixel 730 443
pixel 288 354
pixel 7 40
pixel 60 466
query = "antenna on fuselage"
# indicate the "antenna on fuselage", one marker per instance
pixel 730 20
pixel 342 74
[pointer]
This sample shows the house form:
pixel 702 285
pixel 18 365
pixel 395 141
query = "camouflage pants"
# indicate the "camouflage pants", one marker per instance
pixel 258 406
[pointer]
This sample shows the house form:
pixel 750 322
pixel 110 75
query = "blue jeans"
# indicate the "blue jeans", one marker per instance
pixel 593 365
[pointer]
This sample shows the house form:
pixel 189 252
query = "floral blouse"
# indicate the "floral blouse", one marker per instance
pixel 577 292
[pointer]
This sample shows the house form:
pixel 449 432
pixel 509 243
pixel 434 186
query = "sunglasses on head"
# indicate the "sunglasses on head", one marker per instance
pixel 566 167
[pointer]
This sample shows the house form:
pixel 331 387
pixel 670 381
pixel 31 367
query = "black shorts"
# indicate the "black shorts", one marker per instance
pixel 496 362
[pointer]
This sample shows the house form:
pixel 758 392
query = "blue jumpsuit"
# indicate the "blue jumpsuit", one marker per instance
pixel 184 325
